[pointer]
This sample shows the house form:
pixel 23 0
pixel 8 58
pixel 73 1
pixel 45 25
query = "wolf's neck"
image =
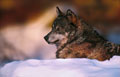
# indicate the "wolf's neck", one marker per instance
pixel 94 36
pixel 89 34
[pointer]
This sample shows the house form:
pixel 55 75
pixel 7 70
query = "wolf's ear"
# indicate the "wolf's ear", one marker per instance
pixel 59 12
pixel 71 16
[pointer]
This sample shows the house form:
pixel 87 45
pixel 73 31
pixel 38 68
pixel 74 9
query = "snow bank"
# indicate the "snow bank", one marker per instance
pixel 62 68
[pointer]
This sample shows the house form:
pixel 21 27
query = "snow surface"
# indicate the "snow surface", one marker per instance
pixel 62 68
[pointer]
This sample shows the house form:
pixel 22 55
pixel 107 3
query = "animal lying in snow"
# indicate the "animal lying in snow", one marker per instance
pixel 74 38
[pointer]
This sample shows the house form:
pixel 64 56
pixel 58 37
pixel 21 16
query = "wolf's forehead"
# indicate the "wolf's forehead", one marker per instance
pixel 60 22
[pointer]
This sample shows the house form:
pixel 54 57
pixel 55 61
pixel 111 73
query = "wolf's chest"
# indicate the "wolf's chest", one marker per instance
pixel 75 50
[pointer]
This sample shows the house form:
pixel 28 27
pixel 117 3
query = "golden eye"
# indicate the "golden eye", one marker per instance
pixel 58 28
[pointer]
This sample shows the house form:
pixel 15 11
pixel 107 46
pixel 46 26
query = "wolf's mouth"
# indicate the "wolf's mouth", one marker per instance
pixel 55 42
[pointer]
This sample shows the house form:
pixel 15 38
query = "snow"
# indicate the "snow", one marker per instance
pixel 77 67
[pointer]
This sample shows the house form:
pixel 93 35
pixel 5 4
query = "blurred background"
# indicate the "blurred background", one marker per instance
pixel 24 23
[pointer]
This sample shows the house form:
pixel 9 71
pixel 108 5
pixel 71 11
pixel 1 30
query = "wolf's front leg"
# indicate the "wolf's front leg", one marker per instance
pixel 65 53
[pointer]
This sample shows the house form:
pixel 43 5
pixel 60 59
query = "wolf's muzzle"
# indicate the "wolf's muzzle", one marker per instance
pixel 46 38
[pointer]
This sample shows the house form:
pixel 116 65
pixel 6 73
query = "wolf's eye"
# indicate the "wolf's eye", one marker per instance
pixel 58 29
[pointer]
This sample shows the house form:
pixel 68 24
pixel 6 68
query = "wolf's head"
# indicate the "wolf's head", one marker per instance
pixel 64 27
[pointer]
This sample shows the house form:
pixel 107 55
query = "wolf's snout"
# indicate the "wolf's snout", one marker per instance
pixel 46 38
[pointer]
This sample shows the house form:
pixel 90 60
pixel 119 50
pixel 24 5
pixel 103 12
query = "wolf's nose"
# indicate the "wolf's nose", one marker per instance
pixel 46 38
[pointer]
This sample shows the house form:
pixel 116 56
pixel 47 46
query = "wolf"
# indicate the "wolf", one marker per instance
pixel 74 38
